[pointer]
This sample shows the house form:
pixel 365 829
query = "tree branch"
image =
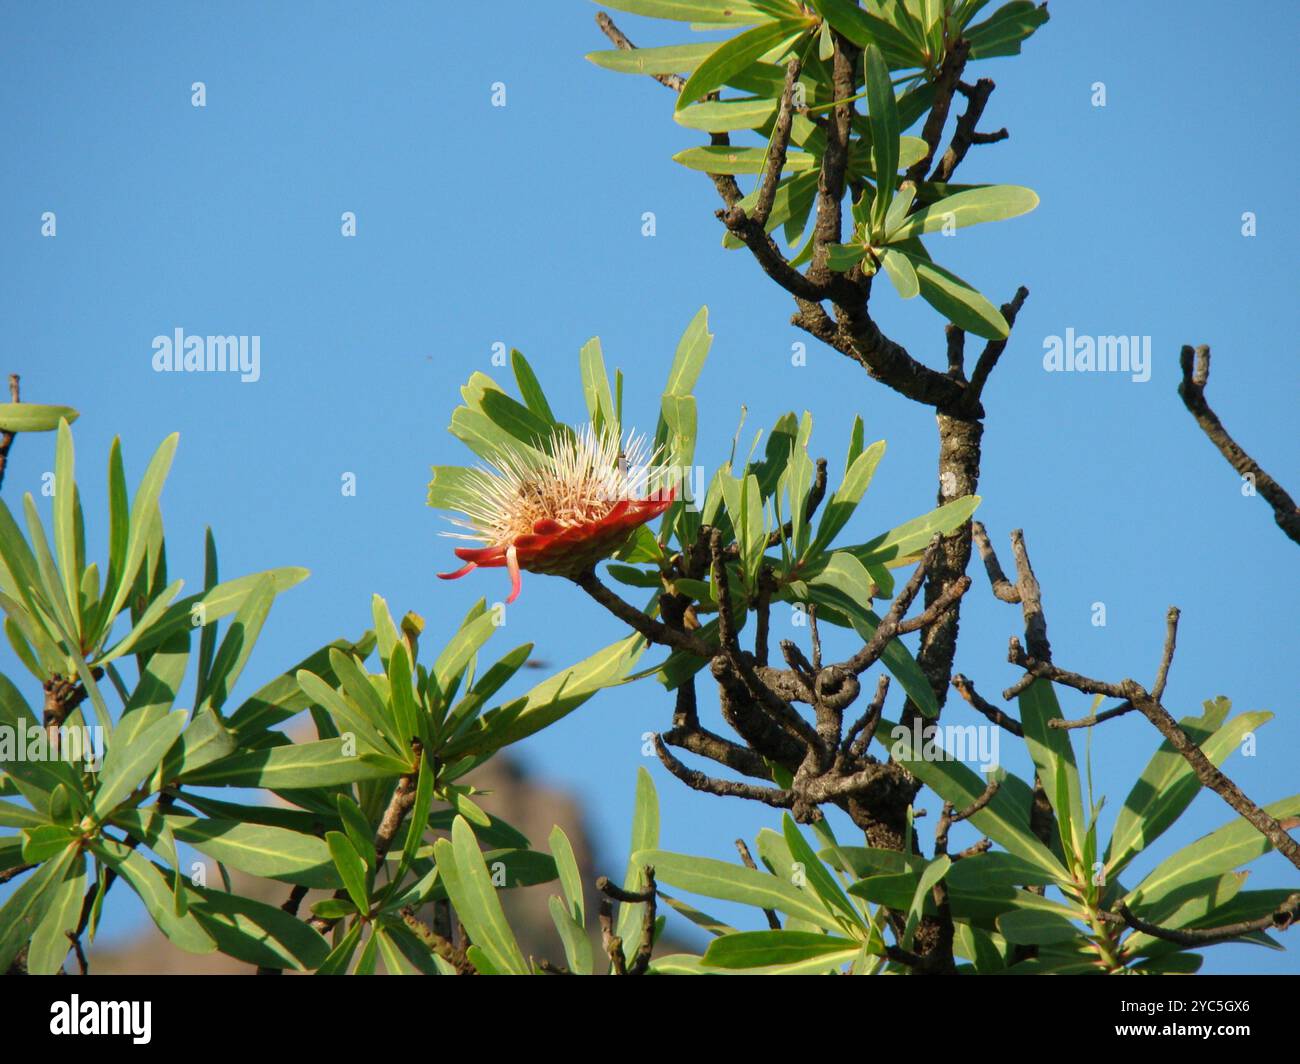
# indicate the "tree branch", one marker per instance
pixel 1192 391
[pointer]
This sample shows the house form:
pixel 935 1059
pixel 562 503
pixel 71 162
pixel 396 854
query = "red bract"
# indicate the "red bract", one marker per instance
pixel 563 549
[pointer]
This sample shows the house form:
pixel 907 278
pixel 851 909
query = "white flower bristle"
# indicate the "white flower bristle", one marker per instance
pixel 574 478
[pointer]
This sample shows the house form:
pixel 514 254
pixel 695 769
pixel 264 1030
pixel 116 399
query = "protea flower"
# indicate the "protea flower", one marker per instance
pixel 560 508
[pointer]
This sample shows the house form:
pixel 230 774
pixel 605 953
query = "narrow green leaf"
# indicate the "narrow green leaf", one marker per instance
pixel 462 869
pixel 530 388
pixel 736 54
pixel 127 765
pixel 757 949
pixel 669 59
pixel 256 933
pixel 351 868
pixel 50 943
pixel 729 882
pixel 152 886
pixel 883 112
pixel 27 906
pixel 325 763
pixel 959 302
pixel 901 272
pixel 710 11
pixel 645 836
pixel 34 417
pixel 259 849
pixel 989 203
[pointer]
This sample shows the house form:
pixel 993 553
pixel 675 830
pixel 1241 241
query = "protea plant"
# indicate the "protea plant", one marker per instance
pixel 558 508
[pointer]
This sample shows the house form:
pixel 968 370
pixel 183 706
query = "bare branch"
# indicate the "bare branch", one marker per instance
pixel 977 98
pixel 1192 391
pixel 1279 920
pixel 655 631
pixel 967 690
pixel 698 781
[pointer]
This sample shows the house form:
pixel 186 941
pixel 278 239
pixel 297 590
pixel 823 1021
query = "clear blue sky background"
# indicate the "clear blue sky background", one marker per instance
pixel 522 224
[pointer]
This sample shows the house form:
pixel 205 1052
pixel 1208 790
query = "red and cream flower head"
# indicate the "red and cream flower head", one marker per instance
pixel 559 508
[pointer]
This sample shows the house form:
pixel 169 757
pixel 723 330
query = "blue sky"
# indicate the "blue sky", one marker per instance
pixel 522 225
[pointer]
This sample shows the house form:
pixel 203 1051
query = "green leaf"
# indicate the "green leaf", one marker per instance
pixel 319 764
pixel 989 203
pixel 34 417
pixel 729 882
pixel 909 539
pixel 1002 34
pixel 1028 927
pixel 865 29
pixel 126 765
pixel 925 884
pixel 341 956
pixel 843 257
pixel 27 906
pixel 208 636
pixel 711 11
pixel 901 272
pixel 548 701
pixel 595 388
pixel 351 868
pixel 150 826
pixel 757 949
pixel 688 360
pixel 857 478
pixel 725 116
pixel 883 112
pixel 155 692
pixel 357 828
pixel 1054 758
pixel 221 601
pixel 977 946
pixel 645 836
pixel 736 54
pixel 462 869
pixel 348 716
pixel 238 643
pixel 570 877
pixel 577 946
pixel 151 884
pixel 711 159
pixel 65 499
pixel 19 816
pixel 1001 820
pixel 419 817
pixel 50 943
pixel 43 842
pixel 1231 846
pixel 530 388
pixel 959 302
pixel 1168 784
pixel 50 587
pixel 259 849
pixel 821 881
pixel 458 653
pixel 144 514
pixel 256 933
pixel 411 720
pixel 670 59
